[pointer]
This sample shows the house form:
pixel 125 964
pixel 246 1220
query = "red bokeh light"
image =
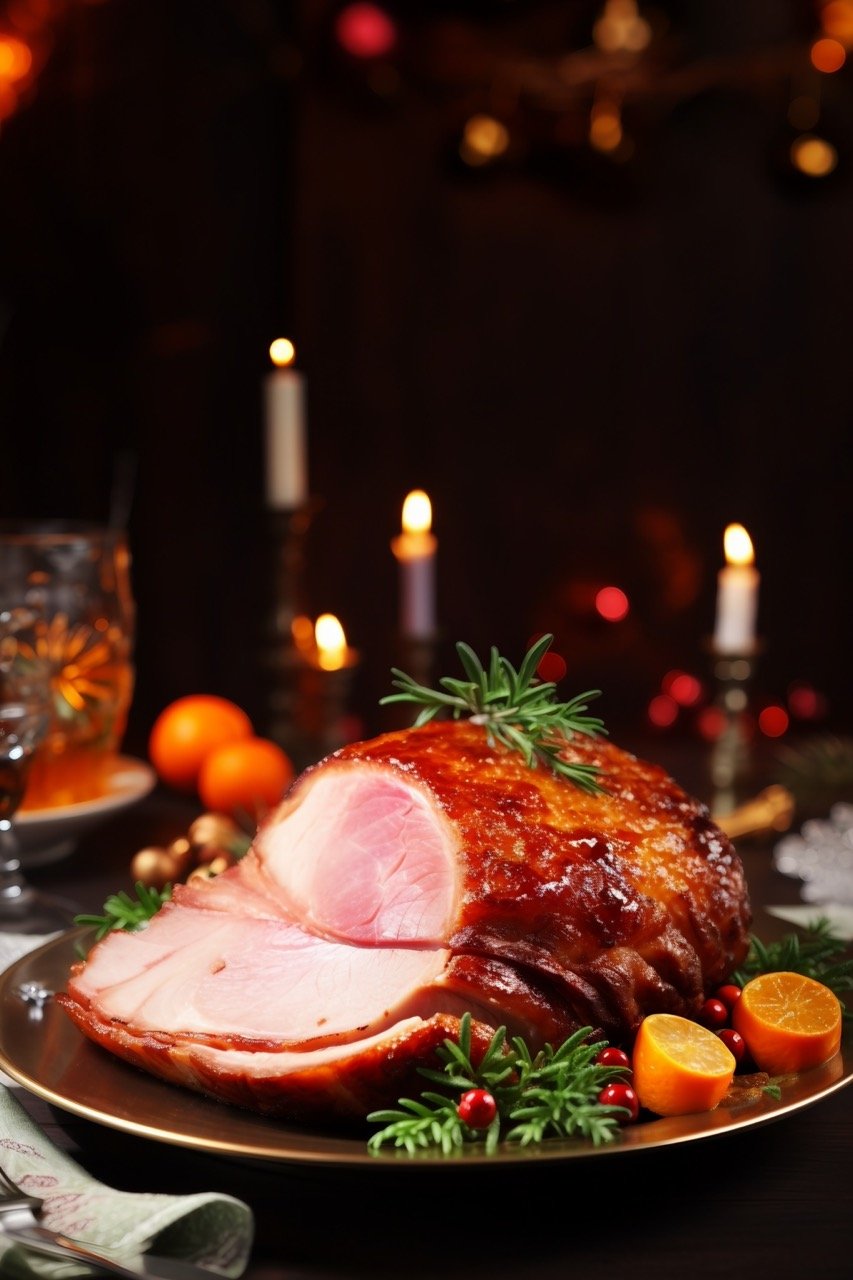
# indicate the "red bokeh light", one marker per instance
pixel 662 711
pixel 773 721
pixel 710 722
pixel 365 31
pixel 612 604
pixel 828 55
pixel 686 689
pixel 805 702
pixel 551 667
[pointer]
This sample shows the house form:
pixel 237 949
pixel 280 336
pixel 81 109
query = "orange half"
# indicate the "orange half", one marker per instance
pixel 679 1066
pixel 789 1022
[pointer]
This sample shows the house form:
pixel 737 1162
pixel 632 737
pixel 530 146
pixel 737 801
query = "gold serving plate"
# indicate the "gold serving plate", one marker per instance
pixel 43 1051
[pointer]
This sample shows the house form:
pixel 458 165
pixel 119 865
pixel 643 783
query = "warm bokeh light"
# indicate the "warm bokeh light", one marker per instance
pixel 15 58
pixel 828 55
pixel 282 352
pixel 620 28
pixel 813 156
pixel 773 721
pixel 605 126
pixel 836 18
pixel 302 630
pixel 683 687
pixel 417 512
pixel 612 604
pixel 737 545
pixel 365 31
pixel 662 711
pixel 483 139
pixel 331 642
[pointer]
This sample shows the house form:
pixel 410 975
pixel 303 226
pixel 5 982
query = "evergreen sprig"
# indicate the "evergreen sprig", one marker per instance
pixel 515 708
pixel 552 1094
pixel 121 911
pixel 818 953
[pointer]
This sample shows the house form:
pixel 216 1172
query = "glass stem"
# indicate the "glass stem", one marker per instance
pixel 13 886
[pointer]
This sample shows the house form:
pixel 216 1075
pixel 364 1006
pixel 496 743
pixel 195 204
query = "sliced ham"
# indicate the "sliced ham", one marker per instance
pixel 402 882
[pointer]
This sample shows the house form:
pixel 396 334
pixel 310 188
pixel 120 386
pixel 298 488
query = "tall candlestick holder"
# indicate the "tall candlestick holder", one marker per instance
pixel 283 659
pixel 731 762
pixel 322 719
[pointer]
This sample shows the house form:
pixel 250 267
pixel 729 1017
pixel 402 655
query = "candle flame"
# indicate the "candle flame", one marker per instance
pixel 737 545
pixel 417 512
pixel 331 642
pixel 282 352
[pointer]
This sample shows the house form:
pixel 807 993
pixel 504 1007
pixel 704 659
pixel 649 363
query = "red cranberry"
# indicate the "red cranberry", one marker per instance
pixel 713 1014
pixel 729 994
pixel 620 1094
pixel 734 1042
pixel 477 1108
pixel 613 1057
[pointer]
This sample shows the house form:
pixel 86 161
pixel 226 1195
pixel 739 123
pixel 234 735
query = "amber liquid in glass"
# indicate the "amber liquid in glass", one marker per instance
pixel 92 691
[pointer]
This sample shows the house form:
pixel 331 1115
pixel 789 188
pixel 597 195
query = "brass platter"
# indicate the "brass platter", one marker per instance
pixel 44 1052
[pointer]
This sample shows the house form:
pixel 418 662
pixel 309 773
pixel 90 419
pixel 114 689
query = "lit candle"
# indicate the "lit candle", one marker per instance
pixel 737 594
pixel 284 403
pixel 415 550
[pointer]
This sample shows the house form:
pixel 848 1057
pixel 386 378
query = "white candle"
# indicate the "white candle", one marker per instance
pixel 415 550
pixel 284 404
pixel 737 594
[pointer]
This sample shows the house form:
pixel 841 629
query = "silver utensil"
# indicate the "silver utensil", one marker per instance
pixel 19 1222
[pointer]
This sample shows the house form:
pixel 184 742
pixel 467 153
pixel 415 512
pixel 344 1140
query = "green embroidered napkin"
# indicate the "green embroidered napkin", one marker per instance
pixel 208 1228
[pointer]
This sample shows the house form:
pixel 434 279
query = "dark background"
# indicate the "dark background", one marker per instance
pixel 592 363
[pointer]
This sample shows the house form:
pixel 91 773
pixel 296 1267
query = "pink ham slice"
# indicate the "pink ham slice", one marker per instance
pixel 402 882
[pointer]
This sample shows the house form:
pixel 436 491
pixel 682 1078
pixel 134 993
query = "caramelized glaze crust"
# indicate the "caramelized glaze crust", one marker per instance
pixel 613 904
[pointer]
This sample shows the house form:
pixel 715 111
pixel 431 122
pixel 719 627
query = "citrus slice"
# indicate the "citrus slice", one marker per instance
pixel 679 1066
pixel 789 1022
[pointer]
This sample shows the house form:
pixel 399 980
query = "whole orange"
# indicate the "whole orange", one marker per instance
pixel 187 730
pixel 245 779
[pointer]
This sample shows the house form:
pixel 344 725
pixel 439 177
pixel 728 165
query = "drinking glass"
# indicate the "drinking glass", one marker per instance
pixel 79 576
pixel 25 713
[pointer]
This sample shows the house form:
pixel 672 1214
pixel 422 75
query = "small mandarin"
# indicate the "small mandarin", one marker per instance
pixel 679 1066
pixel 788 1021
pixel 187 730
pixel 245 778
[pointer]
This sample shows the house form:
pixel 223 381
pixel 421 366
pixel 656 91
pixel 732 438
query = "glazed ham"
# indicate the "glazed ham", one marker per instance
pixel 402 882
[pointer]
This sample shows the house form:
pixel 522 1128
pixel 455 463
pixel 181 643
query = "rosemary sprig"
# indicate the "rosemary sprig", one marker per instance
pixel 515 708
pixel 819 954
pixel 121 911
pixel 552 1094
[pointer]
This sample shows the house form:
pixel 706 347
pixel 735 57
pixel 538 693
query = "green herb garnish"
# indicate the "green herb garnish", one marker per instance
pixel 514 707
pixel 121 911
pixel 819 954
pixel 554 1094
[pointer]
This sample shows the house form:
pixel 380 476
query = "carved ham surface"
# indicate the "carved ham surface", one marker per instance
pixel 402 882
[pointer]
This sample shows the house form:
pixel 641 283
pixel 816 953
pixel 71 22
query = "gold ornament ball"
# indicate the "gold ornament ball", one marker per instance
pixel 153 867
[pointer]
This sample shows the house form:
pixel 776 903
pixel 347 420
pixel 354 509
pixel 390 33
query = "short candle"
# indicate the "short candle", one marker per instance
pixel 737 595
pixel 415 550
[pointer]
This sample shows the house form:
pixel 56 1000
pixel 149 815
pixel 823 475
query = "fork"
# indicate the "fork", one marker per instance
pixel 19 1222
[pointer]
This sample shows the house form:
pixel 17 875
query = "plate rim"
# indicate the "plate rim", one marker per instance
pixel 298 1145
pixel 141 780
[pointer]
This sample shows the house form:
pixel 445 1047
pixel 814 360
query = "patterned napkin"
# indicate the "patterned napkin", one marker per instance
pixel 208 1228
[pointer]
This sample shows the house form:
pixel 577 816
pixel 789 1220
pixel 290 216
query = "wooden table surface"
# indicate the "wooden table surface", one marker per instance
pixel 772 1201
